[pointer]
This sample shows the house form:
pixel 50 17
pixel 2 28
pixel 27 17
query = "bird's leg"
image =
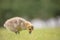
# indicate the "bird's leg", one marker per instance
pixel 17 32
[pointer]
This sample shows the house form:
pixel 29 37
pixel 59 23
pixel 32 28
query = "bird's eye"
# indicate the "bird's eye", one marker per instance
pixel 29 29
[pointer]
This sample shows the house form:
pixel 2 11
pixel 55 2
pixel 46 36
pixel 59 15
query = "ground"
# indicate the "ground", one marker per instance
pixel 37 34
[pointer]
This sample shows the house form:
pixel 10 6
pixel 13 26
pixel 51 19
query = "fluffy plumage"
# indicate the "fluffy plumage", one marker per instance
pixel 17 24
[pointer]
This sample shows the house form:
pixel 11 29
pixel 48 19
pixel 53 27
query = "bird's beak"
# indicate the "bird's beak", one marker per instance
pixel 30 31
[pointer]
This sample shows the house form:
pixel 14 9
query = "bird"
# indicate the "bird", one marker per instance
pixel 17 24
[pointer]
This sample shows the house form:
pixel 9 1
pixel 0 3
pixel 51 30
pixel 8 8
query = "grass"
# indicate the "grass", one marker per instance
pixel 37 34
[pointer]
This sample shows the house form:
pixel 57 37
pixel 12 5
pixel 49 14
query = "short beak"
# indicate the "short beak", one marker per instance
pixel 30 31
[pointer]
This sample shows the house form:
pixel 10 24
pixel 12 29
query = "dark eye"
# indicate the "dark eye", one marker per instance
pixel 29 29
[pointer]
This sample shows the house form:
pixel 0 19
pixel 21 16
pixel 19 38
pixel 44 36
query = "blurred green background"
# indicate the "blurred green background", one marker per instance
pixel 29 9
pixel 47 10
